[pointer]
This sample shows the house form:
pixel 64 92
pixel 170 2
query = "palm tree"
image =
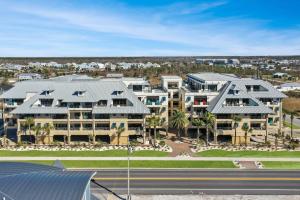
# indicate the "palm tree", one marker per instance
pixel 154 121
pixel 38 131
pixel 266 124
pixel 209 120
pixel 236 119
pixel 247 129
pixel 119 131
pixel 277 135
pixel 180 121
pixel 292 119
pixel 29 121
pixel 47 130
pixel 199 124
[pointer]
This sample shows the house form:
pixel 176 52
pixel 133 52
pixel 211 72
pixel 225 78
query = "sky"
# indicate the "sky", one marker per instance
pixel 99 28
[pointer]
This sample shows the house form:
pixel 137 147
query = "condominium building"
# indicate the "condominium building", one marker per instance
pixel 78 109
pixel 172 85
pixel 257 103
pixel 156 99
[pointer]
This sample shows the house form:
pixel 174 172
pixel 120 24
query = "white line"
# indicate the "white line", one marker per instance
pixel 196 189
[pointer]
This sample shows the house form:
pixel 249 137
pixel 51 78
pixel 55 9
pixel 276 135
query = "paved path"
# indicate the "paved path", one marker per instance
pixel 153 158
pixel 220 182
pixel 248 165
pixel 179 148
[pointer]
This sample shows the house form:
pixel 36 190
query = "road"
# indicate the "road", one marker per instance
pixel 296 120
pixel 183 182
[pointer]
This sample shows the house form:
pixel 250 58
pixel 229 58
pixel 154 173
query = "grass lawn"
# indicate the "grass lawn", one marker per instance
pixel 281 165
pixel 287 124
pixel 108 153
pixel 222 153
pixel 141 164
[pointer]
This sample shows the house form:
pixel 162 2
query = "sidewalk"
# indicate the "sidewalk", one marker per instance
pixel 152 158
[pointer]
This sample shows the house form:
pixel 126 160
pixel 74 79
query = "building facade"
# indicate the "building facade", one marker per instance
pixel 81 108
pixel 88 110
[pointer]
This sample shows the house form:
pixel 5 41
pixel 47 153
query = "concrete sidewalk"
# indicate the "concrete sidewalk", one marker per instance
pixel 152 158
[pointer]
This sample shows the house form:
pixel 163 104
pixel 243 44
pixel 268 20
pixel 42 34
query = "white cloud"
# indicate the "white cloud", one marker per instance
pixel 221 36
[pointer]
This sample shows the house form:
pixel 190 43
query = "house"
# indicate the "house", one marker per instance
pixel 289 87
pixel 28 76
pixel 280 75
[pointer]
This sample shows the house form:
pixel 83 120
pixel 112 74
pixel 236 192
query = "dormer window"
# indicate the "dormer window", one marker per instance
pixel 102 103
pixel 117 92
pixel 47 92
pixel 79 93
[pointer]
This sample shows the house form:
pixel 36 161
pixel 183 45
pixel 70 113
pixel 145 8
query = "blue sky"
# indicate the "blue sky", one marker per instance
pixel 149 28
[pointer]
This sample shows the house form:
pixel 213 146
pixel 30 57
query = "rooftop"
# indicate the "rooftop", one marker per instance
pixel 27 181
pixel 213 77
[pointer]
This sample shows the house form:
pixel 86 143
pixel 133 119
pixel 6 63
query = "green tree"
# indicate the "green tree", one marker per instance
pixel 199 123
pixel 119 132
pixel 47 130
pixel 236 119
pixel 179 121
pixel 209 120
pixel 292 122
pixel 29 122
pixel 38 132
pixel 247 130
pixel 154 121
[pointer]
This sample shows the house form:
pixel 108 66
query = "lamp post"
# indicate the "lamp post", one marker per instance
pixel 128 169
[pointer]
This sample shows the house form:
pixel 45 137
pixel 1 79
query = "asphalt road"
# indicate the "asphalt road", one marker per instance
pixel 296 120
pixel 183 182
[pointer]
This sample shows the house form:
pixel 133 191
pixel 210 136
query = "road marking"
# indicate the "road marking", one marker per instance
pixel 199 179
pixel 202 189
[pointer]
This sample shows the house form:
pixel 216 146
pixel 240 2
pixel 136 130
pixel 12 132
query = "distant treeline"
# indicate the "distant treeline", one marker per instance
pixel 63 60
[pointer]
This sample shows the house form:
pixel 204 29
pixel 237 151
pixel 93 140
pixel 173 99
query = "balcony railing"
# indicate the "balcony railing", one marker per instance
pixel 102 128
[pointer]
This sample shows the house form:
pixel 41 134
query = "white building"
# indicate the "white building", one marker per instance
pixel 29 76
pixel 289 87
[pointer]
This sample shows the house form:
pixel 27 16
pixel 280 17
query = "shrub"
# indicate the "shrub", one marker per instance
pixel 162 143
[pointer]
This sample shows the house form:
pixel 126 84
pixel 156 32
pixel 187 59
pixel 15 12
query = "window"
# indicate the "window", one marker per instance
pixel 79 93
pixel 119 102
pixel 47 92
pixel 137 88
pixel 117 92
pixel 102 127
pixel 113 125
pixel 102 103
pixel 102 116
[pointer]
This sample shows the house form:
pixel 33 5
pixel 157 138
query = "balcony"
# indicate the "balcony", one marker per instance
pixel 173 86
pixel 200 102
pixel 75 116
pixel 102 127
pixel 155 101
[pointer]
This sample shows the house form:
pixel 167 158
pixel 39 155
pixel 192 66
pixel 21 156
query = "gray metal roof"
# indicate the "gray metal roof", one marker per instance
pixel 94 90
pixel 26 181
pixel 216 106
pixel 213 77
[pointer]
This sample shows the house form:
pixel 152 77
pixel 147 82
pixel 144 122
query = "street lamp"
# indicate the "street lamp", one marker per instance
pixel 129 150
